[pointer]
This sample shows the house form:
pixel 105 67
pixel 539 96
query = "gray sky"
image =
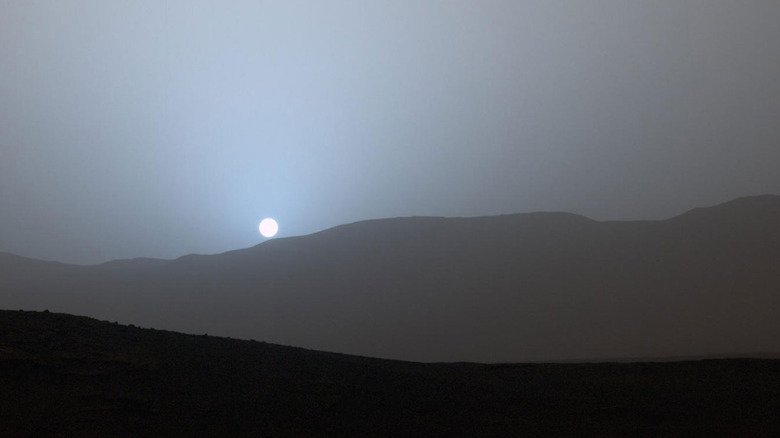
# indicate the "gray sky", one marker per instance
pixel 161 128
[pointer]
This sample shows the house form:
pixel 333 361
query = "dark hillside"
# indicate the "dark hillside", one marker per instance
pixel 63 375
pixel 511 288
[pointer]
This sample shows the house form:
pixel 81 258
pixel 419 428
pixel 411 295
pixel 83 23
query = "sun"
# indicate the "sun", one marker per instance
pixel 268 227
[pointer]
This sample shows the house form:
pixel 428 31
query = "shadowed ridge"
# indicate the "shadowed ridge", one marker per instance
pixel 13 260
pixel 531 284
pixel 19 266
pixel 133 264
pixel 401 232
pixel 64 375
pixel 527 287
pixel 429 230
pixel 7 257
pixel 421 224
pixel 12 265
pixel 749 226
pixel 747 206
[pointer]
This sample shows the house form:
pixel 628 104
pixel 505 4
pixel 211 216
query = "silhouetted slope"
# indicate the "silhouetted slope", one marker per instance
pixel 73 376
pixel 131 264
pixel 526 287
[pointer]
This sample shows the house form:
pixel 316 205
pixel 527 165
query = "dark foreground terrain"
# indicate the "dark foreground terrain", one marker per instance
pixel 63 375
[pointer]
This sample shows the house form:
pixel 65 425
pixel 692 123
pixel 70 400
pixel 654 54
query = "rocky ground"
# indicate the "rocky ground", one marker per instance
pixel 63 375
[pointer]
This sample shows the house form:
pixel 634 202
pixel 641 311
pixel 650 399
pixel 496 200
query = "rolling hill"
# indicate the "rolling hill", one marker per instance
pixel 511 288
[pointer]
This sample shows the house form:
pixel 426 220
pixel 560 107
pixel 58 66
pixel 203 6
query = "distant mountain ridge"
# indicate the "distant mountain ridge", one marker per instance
pixel 524 287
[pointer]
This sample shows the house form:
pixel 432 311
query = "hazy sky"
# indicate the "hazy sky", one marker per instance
pixel 161 128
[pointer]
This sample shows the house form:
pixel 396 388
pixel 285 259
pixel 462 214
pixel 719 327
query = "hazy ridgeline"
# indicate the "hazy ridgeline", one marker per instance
pixel 525 287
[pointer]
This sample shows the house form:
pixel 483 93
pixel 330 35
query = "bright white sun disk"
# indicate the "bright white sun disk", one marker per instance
pixel 268 227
